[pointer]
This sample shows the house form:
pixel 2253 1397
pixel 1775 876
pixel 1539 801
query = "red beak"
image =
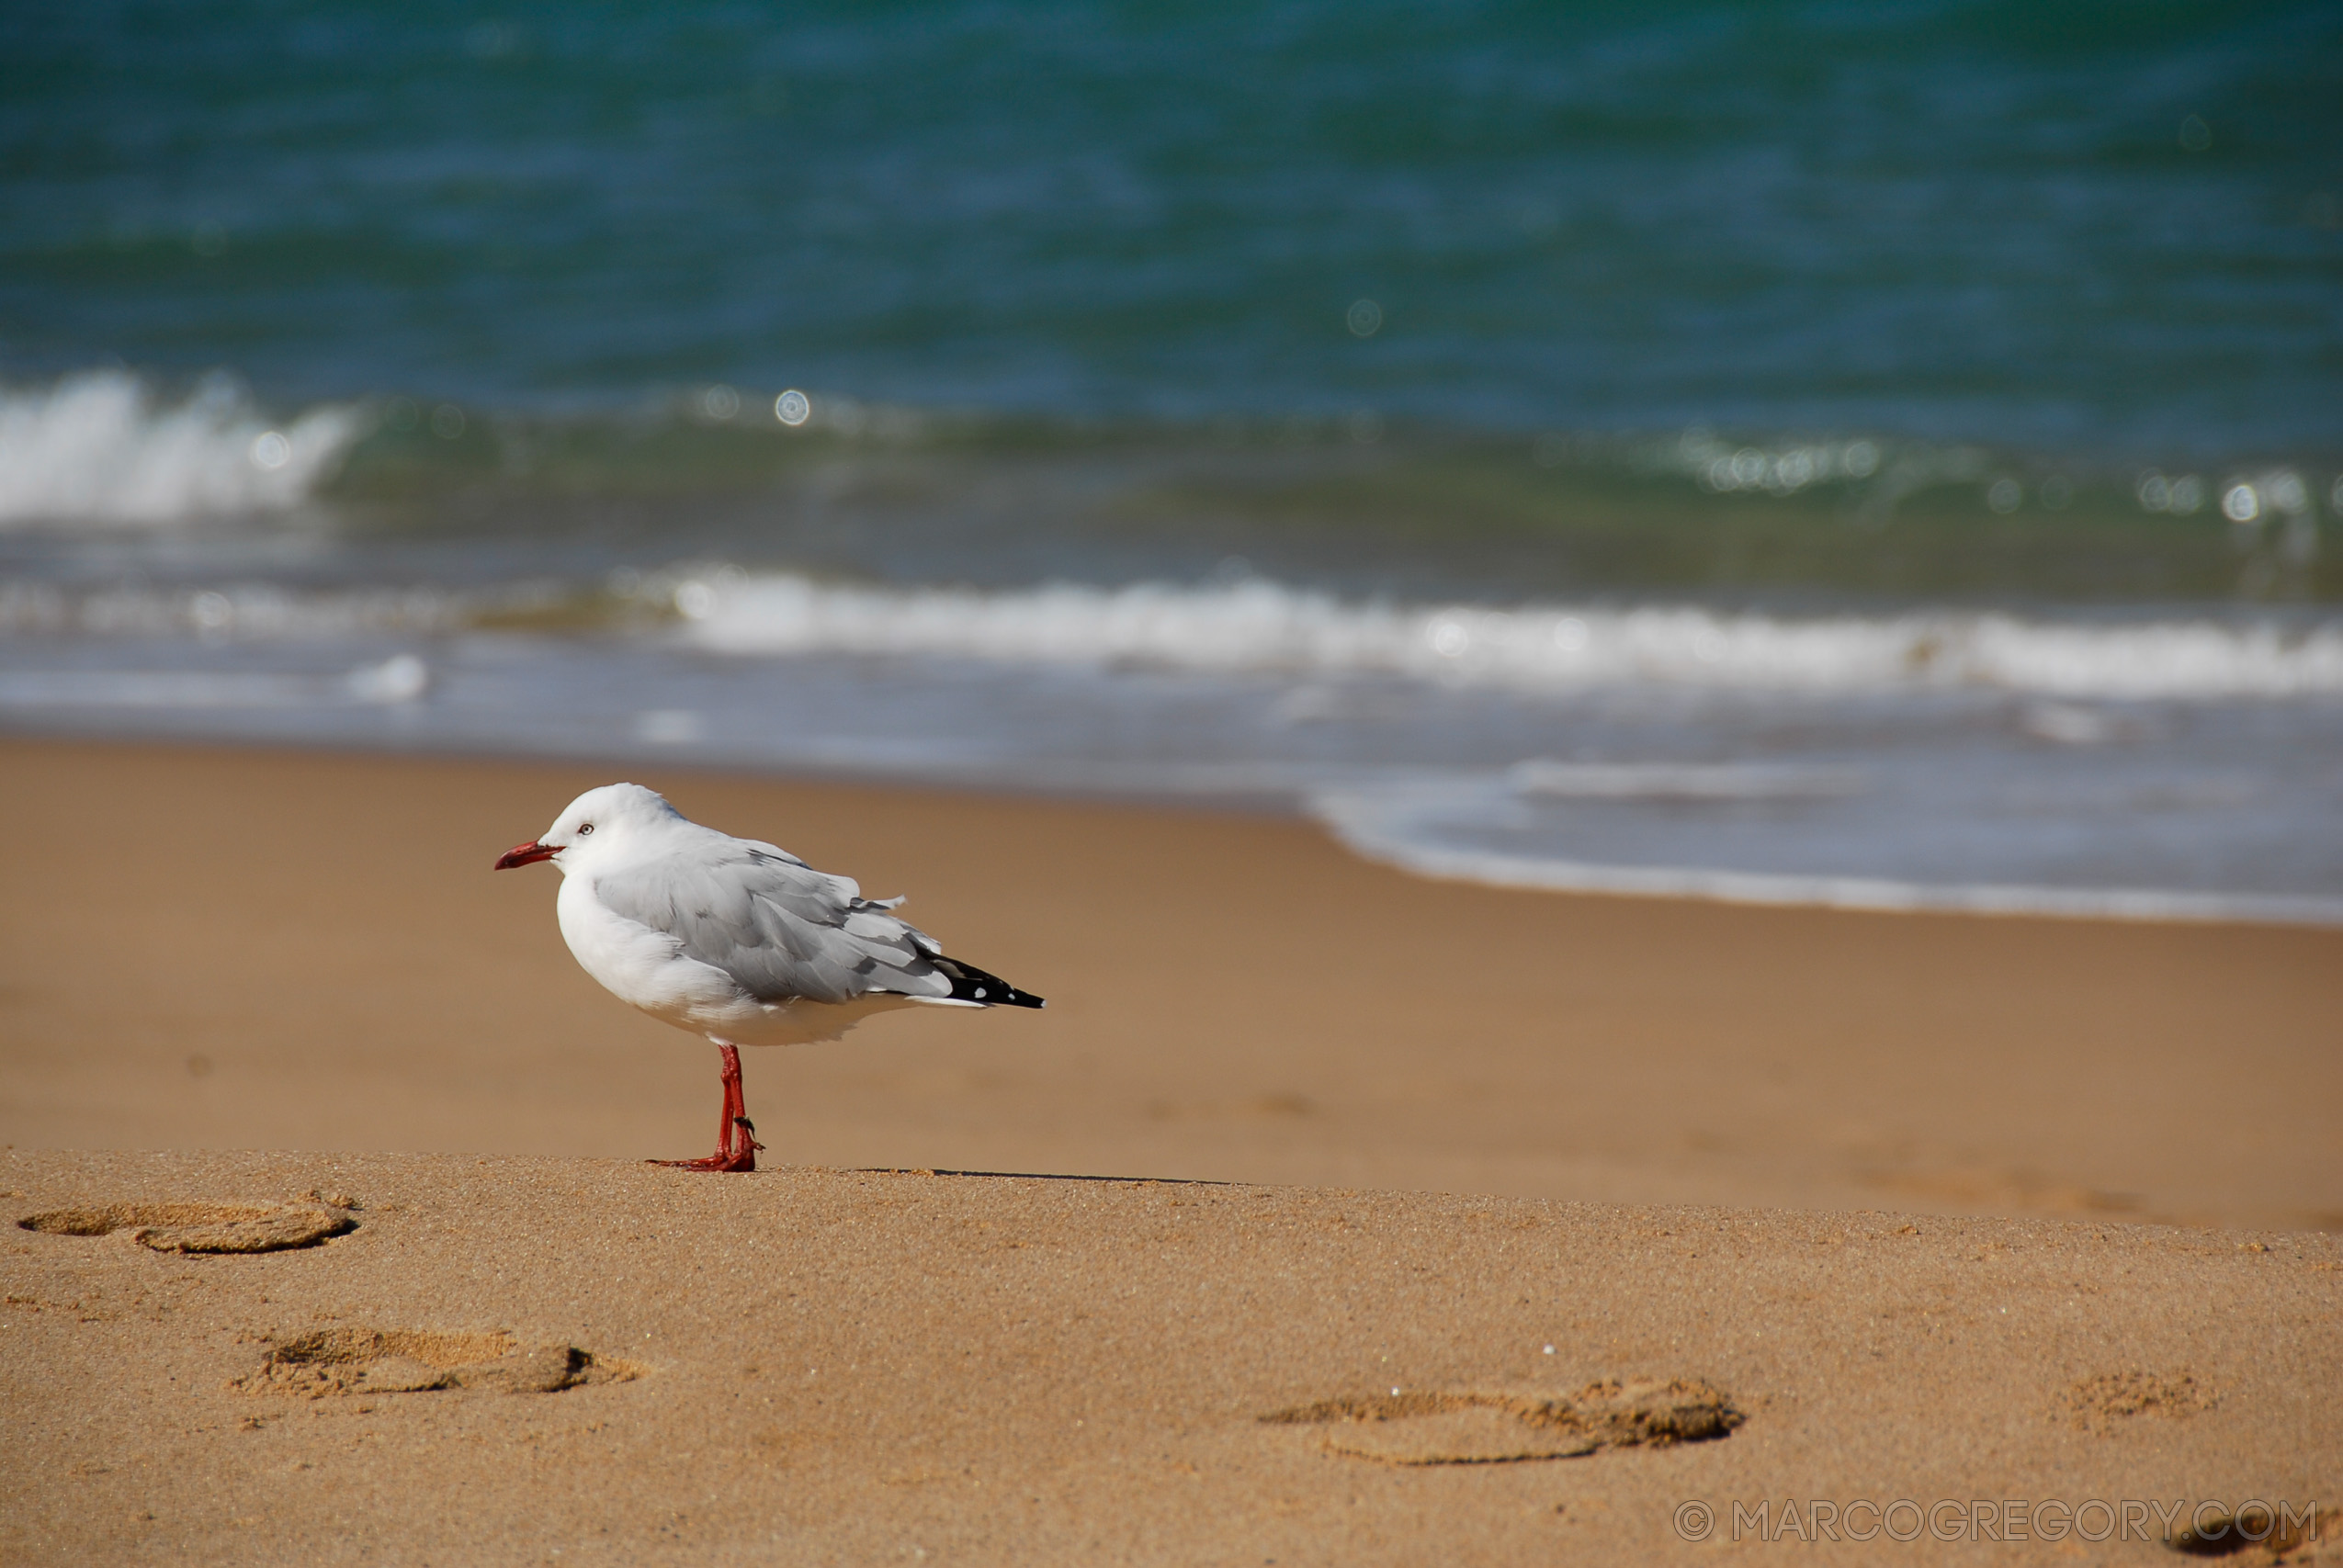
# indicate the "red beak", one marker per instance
pixel 526 854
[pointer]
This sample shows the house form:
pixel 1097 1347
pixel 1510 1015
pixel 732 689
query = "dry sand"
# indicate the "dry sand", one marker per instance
pixel 814 1366
pixel 576 1359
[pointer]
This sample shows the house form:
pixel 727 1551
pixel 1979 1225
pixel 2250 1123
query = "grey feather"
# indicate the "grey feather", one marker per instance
pixel 775 924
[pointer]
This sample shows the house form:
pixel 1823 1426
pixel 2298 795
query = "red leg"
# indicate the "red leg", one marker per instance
pixel 736 1144
pixel 730 1075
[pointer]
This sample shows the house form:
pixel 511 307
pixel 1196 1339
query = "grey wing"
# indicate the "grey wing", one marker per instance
pixel 778 926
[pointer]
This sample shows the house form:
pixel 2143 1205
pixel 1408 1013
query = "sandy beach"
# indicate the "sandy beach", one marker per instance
pixel 527 1361
pixel 1809 1206
pixel 1658 691
pixel 223 949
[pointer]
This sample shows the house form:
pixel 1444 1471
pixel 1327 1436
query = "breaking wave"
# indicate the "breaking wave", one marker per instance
pixel 1264 627
pixel 101 447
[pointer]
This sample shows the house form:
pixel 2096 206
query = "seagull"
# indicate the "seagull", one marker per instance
pixel 735 939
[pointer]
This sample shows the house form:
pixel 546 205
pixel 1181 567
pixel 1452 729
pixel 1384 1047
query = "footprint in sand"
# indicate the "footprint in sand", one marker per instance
pixel 2104 1403
pixel 353 1360
pixel 202 1227
pixel 1507 1426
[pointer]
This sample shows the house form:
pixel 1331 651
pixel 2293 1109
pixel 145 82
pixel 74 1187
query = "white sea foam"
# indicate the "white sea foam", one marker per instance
pixel 1261 626
pixel 1378 828
pixel 402 678
pixel 240 612
pixel 98 446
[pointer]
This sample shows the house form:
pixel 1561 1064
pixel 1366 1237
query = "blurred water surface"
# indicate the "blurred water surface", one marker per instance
pixel 1374 407
pixel 2061 227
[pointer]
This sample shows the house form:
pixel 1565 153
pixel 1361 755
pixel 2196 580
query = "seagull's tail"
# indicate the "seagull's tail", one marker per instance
pixel 970 983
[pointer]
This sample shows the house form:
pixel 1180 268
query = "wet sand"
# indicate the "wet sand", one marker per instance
pixel 217 949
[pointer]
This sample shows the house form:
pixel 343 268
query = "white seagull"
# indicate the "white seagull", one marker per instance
pixel 735 939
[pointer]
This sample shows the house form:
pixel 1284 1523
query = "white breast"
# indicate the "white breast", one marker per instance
pixel 640 966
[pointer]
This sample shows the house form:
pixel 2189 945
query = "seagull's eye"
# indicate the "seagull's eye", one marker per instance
pixel 583 829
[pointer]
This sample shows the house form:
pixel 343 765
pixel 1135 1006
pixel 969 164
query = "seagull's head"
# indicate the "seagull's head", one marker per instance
pixel 598 825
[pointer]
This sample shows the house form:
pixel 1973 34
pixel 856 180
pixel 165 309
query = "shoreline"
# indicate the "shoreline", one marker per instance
pixel 235 948
pixel 1494 871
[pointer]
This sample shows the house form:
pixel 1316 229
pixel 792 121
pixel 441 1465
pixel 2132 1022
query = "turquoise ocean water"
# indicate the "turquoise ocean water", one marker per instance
pixel 1874 455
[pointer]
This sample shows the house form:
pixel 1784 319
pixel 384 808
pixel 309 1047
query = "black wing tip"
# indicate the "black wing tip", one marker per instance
pixel 995 993
pixel 970 983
